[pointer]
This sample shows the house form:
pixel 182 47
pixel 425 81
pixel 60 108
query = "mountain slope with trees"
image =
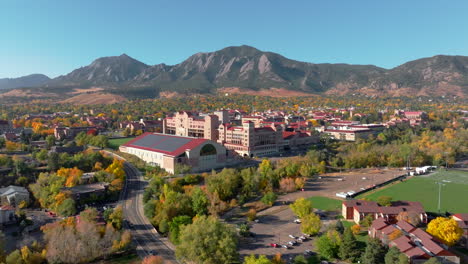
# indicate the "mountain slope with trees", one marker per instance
pixel 247 69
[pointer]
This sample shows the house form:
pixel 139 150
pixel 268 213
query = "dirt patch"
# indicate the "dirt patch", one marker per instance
pixel 94 98
pixel 168 94
pixel 273 92
pixel 90 90
pixel 27 94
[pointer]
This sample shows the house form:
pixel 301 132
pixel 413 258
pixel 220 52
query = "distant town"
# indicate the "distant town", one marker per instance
pixel 297 184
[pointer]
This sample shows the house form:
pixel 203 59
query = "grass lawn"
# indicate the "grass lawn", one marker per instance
pixel 425 189
pixel 116 142
pixel 325 204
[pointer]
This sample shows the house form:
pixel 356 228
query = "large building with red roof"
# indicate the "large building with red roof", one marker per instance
pixel 188 124
pixel 415 243
pixel 169 151
pixel 249 141
pixel 357 210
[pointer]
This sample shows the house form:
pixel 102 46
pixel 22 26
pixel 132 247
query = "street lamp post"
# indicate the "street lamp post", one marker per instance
pixel 440 189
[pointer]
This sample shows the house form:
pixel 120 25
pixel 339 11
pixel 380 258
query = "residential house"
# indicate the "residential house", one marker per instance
pixel 7 215
pixel 14 195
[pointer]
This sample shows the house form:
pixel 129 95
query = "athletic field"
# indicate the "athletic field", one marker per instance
pixel 425 189
pixel 116 142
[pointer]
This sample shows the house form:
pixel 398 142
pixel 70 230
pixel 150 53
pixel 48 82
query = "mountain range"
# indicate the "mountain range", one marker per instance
pixel 25 81
pixel 244 69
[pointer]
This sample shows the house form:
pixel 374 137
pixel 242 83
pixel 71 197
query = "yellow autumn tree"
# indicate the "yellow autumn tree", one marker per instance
pixel 446 230
pixel 72 175
pixel 116 168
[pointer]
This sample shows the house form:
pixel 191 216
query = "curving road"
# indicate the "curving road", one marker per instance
pixel 148 240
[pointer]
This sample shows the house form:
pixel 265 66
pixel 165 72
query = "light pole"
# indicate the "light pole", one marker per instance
pixel 440 189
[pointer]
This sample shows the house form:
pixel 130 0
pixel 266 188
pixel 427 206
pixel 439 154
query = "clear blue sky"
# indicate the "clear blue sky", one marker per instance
pixel 56 36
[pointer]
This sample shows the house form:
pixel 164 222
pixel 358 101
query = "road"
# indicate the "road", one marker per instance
pixel 147 239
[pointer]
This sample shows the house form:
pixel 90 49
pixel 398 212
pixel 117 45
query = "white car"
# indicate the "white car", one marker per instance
pixel 291 236
pixel 297 221
pixel 303 237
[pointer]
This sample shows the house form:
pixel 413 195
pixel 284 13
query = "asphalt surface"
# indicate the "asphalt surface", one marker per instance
pixel 147 239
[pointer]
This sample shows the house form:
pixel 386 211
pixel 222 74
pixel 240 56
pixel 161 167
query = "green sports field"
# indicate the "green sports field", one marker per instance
pixel 325 204
pixel 425 189
pixel 115 143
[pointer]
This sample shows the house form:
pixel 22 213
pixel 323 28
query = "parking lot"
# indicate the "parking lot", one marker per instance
pixel 276 223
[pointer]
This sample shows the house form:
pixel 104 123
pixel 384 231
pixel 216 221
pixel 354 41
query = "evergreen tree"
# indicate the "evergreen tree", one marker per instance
pixel 339 227
pixel 374 253
pixel 349 249
pixel 392 256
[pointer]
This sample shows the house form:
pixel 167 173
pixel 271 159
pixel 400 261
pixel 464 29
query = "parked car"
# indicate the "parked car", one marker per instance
pixel 303 237
pixel 308 252
pixel 285 246
pixel 292 243
pixel 297 221
pixel 273 245
pixel 291 236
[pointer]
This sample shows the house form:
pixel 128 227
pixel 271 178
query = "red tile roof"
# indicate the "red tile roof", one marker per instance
pixel 405 226
pixel 415 253
pixel 379 223
pixel 403 243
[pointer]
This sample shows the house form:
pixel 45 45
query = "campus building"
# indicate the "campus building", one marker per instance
pixel 249 141
pixel 357 210
pixel 352 132
pixel 415 243
pixel 170 151
pixel 188 124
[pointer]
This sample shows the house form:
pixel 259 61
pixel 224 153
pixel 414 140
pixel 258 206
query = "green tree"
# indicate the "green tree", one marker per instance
pixel 67 207
pixel 207 240
pixel 326 247
pixel 310 224
pixel 175 225
pixel 199 201
pixel 14 258
pixel 349 248
pixel 90 214
pixel 54 161
pixel 394 256
pixel 339 226
pixel 384 200
pixel 262 259
pixel 374 253
pixel 116 217
pixel 42 155
pixel 300 259
pixel 99 141
pixel 433 261
pixel 225 183
pixel 50 140
pixel 367 221
pixel 301 207
pixel 269 198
